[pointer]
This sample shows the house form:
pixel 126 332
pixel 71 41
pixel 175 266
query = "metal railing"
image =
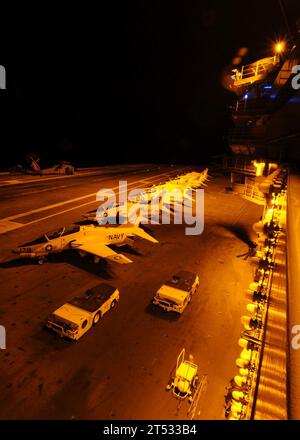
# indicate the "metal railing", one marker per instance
pixel 256 335
pixel 254 71
pixel 253 193
pixel 249 414
pixel 239 164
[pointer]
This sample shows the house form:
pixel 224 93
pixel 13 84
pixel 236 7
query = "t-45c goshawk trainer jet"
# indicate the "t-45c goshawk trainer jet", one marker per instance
pixel 88 239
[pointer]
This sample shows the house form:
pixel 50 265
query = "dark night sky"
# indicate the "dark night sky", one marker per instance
pixel 127 81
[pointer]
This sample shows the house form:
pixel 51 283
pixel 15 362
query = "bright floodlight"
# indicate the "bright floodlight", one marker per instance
pixel 279 47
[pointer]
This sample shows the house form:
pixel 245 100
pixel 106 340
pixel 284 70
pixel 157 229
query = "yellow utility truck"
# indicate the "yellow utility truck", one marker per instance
pixel 177 292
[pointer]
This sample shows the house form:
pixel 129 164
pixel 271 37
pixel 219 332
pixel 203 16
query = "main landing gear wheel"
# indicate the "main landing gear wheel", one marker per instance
pixel 97 318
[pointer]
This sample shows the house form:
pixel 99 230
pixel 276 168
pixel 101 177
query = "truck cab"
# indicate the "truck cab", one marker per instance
pixel 177 292
pixel 77 316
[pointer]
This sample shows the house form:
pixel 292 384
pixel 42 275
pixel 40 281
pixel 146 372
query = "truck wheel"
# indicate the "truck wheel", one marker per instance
pixel 41 261
pixel 97 318
pixel 113 303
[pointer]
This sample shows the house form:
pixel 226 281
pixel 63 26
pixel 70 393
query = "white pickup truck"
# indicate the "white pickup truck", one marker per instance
pixel 177 292
pixel 77 316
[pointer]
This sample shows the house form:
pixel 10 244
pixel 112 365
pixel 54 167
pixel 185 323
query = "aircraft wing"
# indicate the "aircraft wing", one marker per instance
pixel 100 250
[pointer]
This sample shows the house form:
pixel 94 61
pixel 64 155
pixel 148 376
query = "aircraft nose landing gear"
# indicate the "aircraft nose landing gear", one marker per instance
pixel 41 260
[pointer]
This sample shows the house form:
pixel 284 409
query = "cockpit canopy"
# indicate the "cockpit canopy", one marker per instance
pixel 61 232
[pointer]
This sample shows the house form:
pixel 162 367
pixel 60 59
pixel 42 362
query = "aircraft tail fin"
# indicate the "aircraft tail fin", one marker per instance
pixel 141 233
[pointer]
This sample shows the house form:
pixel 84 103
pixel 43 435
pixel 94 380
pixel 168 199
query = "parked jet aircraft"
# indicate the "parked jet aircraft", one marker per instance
pixel 61 167
pixel 153 201
pixel 191 180
pixel 86 239
pixel 181 187
pixel 144 206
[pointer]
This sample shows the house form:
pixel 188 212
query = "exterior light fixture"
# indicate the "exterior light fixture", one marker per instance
pixel 279 47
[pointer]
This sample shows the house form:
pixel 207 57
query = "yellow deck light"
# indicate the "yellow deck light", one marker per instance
pixel 279 47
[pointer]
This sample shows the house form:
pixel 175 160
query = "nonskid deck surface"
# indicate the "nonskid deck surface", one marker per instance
pixel 126 358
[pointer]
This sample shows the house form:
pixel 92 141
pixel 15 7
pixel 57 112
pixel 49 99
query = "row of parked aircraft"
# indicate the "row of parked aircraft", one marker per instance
pixel 95 238
pixel 154 199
